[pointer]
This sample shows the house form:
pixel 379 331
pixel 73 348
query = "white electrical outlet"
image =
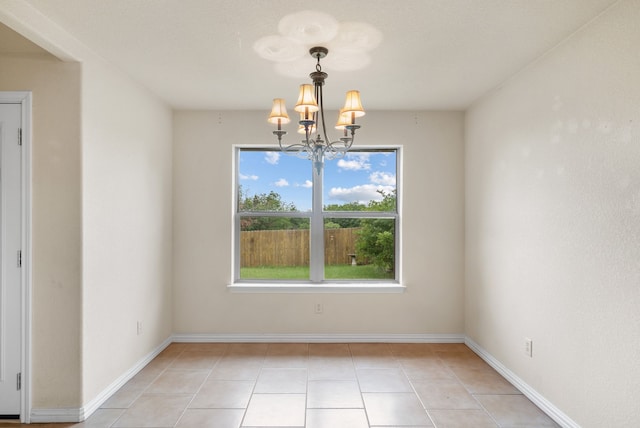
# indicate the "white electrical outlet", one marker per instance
pixel 528 347
pixel 318 308
pixel 139 327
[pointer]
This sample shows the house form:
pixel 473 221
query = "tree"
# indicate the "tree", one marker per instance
pixel 273 202
pixel 349 206
pixel 376 240
pixel 331 225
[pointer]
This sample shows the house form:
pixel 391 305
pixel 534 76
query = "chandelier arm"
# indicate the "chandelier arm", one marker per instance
pixel 307 132
pixel 297 146
pixel 324 126
pixel 345 142
pixel 335 152
pixel 292 147
pixel 299 150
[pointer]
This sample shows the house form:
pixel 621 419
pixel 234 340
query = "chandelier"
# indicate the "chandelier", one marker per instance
pixel 316 145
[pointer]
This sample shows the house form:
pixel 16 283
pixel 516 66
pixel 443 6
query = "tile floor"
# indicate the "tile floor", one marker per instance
pixel 207 385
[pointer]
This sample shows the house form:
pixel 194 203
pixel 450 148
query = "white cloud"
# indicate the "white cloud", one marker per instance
pixel 248 177
pixel 363 193
pixel 383 178
pixel 308 184
pixel 281 183
pixel 272 157
pixel 353 162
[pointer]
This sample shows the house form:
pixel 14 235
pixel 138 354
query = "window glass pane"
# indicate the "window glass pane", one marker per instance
pixel 361 181
pixel 274 248
pixel 359 218
pixel 272 181
pixel 364 249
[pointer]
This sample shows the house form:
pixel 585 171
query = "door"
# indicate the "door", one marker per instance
pixel 10 259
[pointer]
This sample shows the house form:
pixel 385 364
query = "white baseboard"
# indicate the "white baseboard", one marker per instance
pixel 545 405
pixel 320 338
pixel 81 414
pixel 55 415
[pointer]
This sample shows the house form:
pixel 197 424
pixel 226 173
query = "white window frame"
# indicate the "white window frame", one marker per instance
pixel 316 282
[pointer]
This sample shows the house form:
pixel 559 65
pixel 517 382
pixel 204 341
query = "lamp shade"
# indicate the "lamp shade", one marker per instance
pixel 306 100
pixel 278 112
pixel 353 105
pixel 344 119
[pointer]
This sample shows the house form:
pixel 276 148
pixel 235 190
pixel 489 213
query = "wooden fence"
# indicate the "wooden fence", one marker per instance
pixel 291 247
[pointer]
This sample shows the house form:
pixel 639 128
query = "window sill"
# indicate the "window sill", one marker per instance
pixel 351 287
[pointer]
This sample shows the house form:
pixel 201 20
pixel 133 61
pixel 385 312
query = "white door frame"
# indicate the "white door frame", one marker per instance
pixel 24 98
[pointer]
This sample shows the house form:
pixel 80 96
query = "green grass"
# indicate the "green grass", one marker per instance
pixel 302 272
pixel 275 272
pixel 356 272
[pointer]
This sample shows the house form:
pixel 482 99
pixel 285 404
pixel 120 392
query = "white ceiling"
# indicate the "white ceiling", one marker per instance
pixel 434 54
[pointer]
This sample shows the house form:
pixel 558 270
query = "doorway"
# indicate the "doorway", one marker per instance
pixel 15 111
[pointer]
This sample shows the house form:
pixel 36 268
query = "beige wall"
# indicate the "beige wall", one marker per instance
pixel 432 242
pixel 553 222
pixel 57 225
pixel 102 218
pixel 127 216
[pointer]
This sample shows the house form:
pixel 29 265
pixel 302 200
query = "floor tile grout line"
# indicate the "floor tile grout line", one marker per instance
pixel 306 394
pixel 255 384
pixel 402 369
pixel 355 371
pixel 489 413
pixel 459 381
pixel 470 393
pixel 147 387
pixel 199 388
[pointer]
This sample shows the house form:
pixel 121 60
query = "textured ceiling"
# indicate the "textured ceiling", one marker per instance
pixel 433 54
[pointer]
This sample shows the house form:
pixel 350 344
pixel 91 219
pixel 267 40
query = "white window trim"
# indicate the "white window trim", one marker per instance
pixel 338 287
pixel 322 287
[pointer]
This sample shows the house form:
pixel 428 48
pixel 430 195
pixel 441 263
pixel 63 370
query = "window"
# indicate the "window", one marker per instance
pixel 294 225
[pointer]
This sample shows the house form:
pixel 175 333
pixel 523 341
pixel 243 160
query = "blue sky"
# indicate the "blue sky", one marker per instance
pixel 356 177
